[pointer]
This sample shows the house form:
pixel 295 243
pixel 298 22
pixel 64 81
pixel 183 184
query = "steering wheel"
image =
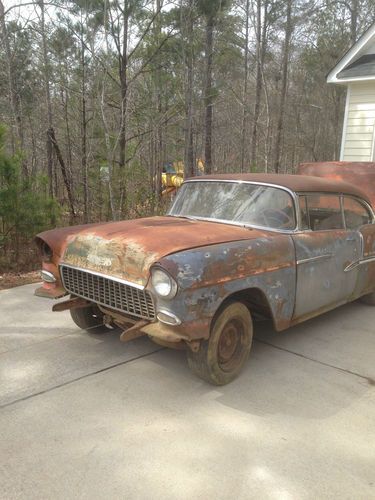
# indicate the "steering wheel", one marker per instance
pixel 276 218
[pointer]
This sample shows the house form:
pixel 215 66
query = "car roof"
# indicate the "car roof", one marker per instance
pixel 297 183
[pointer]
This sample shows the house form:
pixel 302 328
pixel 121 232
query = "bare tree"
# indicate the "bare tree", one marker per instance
pixel 284 83
pixel 188 27
pixel 261 49
pixel 245 96
pixel 14 96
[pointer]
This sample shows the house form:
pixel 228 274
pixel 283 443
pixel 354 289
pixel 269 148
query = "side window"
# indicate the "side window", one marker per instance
pixel 356 214
pixel 324 212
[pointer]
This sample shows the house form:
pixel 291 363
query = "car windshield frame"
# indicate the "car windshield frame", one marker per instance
pixel 292 194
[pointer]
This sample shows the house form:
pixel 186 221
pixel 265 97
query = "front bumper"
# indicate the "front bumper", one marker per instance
pixel 192 327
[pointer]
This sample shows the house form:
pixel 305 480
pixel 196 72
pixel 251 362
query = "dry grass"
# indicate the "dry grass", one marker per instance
pixel 10 280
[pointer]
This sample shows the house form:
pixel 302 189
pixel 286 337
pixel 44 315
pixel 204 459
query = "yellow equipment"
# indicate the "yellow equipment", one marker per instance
pixel 173 176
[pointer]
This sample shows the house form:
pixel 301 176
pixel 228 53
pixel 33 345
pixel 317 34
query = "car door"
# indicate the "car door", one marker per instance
pixel 359 218
pixel 324 249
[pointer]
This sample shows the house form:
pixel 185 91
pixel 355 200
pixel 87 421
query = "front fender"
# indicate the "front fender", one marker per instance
pixel 209 275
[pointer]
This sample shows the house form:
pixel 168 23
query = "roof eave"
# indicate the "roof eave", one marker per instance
pixel 350 55
pixel 344 81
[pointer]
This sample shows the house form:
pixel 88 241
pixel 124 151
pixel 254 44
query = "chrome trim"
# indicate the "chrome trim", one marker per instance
pixel 363 202
pixel 357 263
pixel 47 276
pixel 313 259
pixel 171 315
pixel 241 224
pixel 343 219
pixel 238 224
pixel 107 276
pixel 362 245
pixel 135 303
pixel 341 194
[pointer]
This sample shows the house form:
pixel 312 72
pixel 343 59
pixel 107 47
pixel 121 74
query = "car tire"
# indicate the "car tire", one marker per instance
pixel 89 318
pixel 368 299
pixel 220 359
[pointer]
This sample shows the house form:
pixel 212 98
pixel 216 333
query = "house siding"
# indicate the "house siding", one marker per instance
pixel 359 125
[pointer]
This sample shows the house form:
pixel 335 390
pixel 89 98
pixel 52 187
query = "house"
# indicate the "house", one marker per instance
pixel 356 70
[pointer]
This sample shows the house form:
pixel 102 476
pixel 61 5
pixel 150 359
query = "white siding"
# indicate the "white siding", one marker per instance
pixel 359 126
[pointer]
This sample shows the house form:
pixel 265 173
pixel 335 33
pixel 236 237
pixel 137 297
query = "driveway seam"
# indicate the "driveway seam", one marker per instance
pixel 369 380
pixel 25 398
pixel 24 347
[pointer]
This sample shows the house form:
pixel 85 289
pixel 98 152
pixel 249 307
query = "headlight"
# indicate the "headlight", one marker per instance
pixel 164 285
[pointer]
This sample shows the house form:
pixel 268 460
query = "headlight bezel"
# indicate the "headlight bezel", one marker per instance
pixel 45 250
pixel 159 273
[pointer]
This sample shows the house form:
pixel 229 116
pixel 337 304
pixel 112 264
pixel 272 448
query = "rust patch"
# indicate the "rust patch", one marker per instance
pixel 359 177
pixel 124 259
pixel 127 249
pixel 50 291
pixel 75 303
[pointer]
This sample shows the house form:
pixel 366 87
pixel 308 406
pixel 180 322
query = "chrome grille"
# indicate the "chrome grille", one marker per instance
pixel 108 292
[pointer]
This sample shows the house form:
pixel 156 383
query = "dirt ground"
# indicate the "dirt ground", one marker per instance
pixel 10 280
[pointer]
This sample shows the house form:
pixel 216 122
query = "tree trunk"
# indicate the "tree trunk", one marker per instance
pixel 65 103
pixel 53 141
pixel 245 106
pixel 13 94
pixel 261 40
pixel 84 133
pixel 208 99
pixel 353 21
pixel 123 67
pixel 159 157
pixel 46 75
pixel 284 85
pixel 188 147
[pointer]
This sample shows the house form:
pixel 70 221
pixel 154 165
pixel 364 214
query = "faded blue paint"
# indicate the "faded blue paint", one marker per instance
pixel 209 275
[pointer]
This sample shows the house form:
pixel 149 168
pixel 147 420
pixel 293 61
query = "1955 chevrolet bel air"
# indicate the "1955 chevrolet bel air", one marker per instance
pixel 232 247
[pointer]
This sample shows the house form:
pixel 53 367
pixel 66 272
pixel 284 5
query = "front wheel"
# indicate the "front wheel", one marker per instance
pixel 89 318
pixel 220 359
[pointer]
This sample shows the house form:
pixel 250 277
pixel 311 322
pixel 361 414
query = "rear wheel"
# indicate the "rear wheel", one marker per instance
pixel 89 318
pixel 368 299
pixel 220 359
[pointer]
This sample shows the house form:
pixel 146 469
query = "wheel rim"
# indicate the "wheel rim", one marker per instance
pixel 230 345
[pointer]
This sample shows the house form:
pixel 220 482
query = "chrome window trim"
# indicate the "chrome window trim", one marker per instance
pixel 295 196
pixel 342 212
pixel 341 195
pixel 241 224
pixel 101 275
pixel 324 193
pixel 361 202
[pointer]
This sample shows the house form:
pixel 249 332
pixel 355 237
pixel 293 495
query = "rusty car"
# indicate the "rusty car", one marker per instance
pixel 233 247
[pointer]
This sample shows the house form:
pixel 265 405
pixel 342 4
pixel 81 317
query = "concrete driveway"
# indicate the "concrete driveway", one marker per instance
pixel 85 416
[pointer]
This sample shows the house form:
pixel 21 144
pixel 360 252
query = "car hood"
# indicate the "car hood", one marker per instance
pixel 127 249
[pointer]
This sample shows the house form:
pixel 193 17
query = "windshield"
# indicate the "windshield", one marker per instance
pixel 245 203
